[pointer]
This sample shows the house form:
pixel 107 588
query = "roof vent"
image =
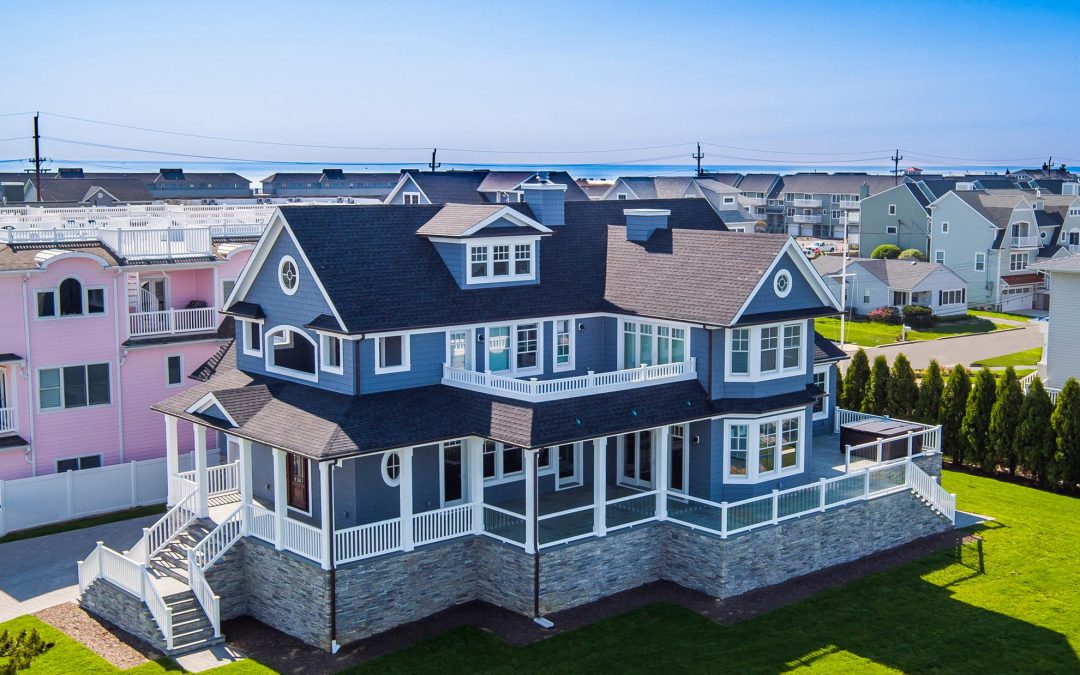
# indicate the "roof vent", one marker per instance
pixel 641 223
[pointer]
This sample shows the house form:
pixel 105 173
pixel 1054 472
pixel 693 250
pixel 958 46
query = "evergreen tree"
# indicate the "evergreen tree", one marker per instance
pixel 1035 439
pixel 953 406
pixel 903 393
pixel 838 390
pixel 975 426
pixel 928 407
pixel 1066 423
pixel 876 398
pixel 855 380
pixel 1004 423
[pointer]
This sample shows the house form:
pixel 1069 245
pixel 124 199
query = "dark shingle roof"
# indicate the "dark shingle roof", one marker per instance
pixel 826 350
pixel 463 187
pixel 85 189
pixel 453 220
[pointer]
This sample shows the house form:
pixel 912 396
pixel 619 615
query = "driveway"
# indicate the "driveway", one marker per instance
pixel 962 350
pixel 40 572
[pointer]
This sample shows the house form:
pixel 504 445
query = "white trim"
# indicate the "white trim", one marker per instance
pixel 976 265
pixel 572 326
pixel 620 460
pixel 470 348
pixel 501 477
pixel 753 424
pixel 511 215
pixel 939 256
pixel 489 243
pixel 181 382
pixel 288 260
pixel 464 472
pixel 62 407
pixel 777 278
pixel 325 351
pixel 307 474
pixel 827 400
pixel 686 440
pixel 405 178
pixel 268 353
pixel 392 482
pixel 408 195
pixel 247 326
pixel 755 373
pixel 204 403
pixel 620 347
pixel 614 186
pixel 512 347
pixel 79 458
pixel 85 292
pixel 577 478
pixel 406 356
pixel 68 254
pixel 809 272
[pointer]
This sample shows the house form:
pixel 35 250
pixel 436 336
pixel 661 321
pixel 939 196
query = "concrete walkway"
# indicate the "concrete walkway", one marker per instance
pixel 41 572
pixel 961 350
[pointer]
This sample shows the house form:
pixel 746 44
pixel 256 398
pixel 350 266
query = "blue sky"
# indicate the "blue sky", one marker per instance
pixel 972 80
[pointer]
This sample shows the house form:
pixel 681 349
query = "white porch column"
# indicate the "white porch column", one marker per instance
pixel 279 498
pixel 245 485
pixel 405 493
pixel 324 516
pixel 600 486
pixel 662 465
pixel 201 504
pixel 475 466
pixel 172 459
pixel 530 501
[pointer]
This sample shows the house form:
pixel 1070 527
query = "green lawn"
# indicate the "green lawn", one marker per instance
pixel 1000 315
pixel 870 334
pixel 1013 611
pixel 1028 357
pixel 84 522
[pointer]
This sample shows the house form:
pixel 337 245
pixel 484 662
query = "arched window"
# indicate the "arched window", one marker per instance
pixel 291 351
pixel 71 297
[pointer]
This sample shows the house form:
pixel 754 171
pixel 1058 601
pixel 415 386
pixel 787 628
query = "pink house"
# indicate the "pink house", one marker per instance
pixel 98 324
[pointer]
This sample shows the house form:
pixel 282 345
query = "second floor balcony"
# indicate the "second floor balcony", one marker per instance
pixel 172 322
pixel 753 201
pixel 848 204
pixel 806 218
pixel 7 420
pixel 1030 241
pixel 132 243
pixel 536 390
pixel 812 203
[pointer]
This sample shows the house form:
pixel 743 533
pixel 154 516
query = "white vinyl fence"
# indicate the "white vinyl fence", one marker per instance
pixel 54 498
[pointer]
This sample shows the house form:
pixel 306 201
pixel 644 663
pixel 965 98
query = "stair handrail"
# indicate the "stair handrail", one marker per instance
pixel 927 487
pixel 157 536
pixel 219 540
pixel 200 587
pixel 161 612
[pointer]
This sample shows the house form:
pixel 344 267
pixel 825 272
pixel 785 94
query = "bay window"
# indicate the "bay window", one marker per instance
pixel 768 349
pixel 764 448
pixel 765 352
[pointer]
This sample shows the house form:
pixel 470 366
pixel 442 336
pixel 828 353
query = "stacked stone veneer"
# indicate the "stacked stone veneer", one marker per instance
pixel 293 594
pixel 119 607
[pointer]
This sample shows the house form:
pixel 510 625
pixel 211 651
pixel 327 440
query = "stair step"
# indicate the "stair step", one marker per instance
pixel 187 648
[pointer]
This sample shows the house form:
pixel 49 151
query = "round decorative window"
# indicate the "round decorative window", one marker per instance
pixel 288 275
pixel 391 468
pixel 782 283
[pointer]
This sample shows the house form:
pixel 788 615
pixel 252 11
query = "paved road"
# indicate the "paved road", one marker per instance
pixel 40 572
pixel 963 350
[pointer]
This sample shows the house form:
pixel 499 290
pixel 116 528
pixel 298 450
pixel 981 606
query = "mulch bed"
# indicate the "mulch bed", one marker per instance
pixel 119 648
pixel 287 654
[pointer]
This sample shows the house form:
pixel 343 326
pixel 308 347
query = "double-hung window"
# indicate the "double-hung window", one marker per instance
pixel 478 260
pixel 765 352
pixel 458 349
pixel 821 405
pixel 523 259
pixel 73 386
pixel 494 261
pixel 1018 262
pixel 527 346
pixel 332 354
pixel 792 346
pixel 764 448
pixel 769 341
pixel 740 351
pixel 252 338
pixel 392 354
pixel 564 344
pixel 738 448
pixel 980 262
pixel 500 260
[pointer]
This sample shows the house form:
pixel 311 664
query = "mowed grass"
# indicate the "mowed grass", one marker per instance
pixel 1008 606
pixel 871 334
pixel 1000 315
pixel 1028 357
pixel 69 656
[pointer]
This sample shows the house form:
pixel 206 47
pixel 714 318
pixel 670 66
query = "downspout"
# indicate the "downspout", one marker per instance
pixel 334 646
pixel 119 362
pixel 709 365
pixel 28 375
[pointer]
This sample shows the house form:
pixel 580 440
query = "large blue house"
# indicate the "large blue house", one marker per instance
pixel 534 404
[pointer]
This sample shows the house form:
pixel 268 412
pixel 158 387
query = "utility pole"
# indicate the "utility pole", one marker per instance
pixel 896 166
pixel 434 165
pixel 37 159
pixel 698 156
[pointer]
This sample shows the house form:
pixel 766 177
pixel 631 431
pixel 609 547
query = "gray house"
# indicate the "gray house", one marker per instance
pixel 824 204
pixel 725 198
pixel 330 183
pixel 1061 352
pixel 881 283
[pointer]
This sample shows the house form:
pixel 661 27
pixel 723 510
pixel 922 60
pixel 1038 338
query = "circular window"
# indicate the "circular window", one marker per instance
pixel 288 276
pixel 391 468
pixel 782 283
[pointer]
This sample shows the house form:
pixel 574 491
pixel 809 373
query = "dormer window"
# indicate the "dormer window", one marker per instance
pixel 492 262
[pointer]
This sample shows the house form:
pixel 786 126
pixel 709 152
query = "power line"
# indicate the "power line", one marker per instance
pixel 28 112
pixel 792 152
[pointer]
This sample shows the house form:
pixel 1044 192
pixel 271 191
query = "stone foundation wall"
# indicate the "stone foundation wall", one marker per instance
pixel 504 575
pixel 226 577
pixel 287 592
pixel 931 464
pixel 123 609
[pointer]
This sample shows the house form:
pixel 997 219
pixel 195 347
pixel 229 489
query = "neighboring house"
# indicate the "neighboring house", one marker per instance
pixel 173 184
pixel 422 398
pixel 760 194
pixel 97 324
pixel 825 204
pixel 479 186
pixel 723 197
pixel 88 191
pixel 330 183
pixel 1061 352
pixel 990 237
pixel 875 283
pixel 594 188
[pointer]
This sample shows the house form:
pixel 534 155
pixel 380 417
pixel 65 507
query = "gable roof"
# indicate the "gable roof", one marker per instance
pixel 85 189
pixel 461 220
pixel 894 273
pixel 470 187
pixel 837 183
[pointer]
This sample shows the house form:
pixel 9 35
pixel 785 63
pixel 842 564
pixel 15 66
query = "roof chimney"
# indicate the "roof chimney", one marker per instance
pixel 641 223
pixel 546 199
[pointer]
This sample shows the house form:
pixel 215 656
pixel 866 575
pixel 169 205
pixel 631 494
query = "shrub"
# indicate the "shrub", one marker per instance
pixel 918 316
pixel 1035 438
pixel 928 408
pixel 885 315
pixel 976 423
pixel 912 254
pixel 884 251
pixel 855 381
pixel 1005 420
pixel 876 399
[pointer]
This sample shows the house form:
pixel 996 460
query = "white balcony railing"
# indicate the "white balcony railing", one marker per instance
pixel 172 321
pixel 801 218
pixel 1025 242
pixel 7 420
pixel 567 387
pixel 1074 248
pixel 812 203
pixel 753 201
pixel 848 204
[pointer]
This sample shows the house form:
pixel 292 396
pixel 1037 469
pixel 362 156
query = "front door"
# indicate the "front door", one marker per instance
pixel 297 470
pixel 636 460
pixel 678 460
pixel 568 466
pixel 453 474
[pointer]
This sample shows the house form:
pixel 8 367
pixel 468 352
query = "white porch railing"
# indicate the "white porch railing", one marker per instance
pixel 208 600
pixel 566 387
pixel 157 536
pixel 223 479
pixel 803 218
pixel 172 242
pixel 7 420
pixel 365 541
pixel 447 523
pixel 131 576
pixel 1031 241
pixel 848 204
pixel 1025 384
pixel 261 523
pixel 219 540
pixel 302 539
pixel 172 321
pixel 927 439
pixel 506 526
pixel 924 485
pixel 844 416
pixel 812 203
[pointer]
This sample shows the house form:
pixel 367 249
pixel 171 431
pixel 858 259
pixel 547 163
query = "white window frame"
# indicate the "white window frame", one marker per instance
pixel 1016 256
pixel 268 354
pixel 307 474
pixel 729 199
pixel 957 294
pixel 326 342
pixel 756 374
pixel 512 347
pixel 577 479
pixel 980 262
pixel 247 327
pixel 827 399
pixel 392 482
pixel 939 256
pixel 287 259
pixel 686 439
pixel 785 276
pixel 502 477
pixel 890 229
pixel 181 382
pixel 866 296
pixel 489 245
pixel 753 475
pixel 63 407
pixel 221 289
pixel 571 327
pixel 406 356
pixel 85 313
pixel 944 227
pixel 469 351
pixel 655 340
pixel 79 458
pixel 620 196
pixel 892 209
pixel 410 198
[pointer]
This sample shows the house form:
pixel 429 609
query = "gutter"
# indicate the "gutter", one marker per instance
pixel 119 363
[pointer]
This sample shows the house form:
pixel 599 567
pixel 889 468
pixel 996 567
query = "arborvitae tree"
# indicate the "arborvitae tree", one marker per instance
pixel 876 398
pixel 1004 423
pixel 1035 439
pixel 838 390
pixel 928 407
pixel 903 392
pixel 953 406
pixel 976 424
pixel 855 380
pixel 1066 423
